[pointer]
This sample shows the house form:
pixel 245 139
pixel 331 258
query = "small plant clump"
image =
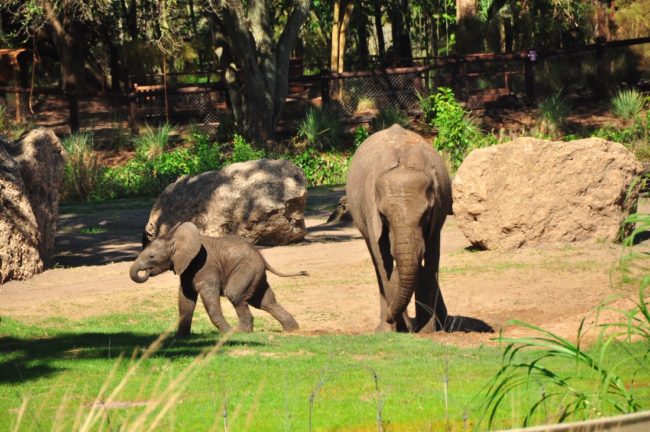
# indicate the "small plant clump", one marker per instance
pixel 243 151
pixel 388 117
pixel 320 129
pixel 627 104
pixel 552 113
pixel 82 172
pixel 153 142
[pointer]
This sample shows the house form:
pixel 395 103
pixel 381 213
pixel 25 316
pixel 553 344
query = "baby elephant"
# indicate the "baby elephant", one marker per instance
pixel 213 266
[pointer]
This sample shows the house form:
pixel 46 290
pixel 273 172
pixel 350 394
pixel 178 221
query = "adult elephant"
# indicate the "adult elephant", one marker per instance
pixel 399 195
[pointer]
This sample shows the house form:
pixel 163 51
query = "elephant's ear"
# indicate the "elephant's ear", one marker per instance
pixel 185 245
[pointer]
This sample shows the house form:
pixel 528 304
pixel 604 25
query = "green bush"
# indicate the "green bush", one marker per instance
pixel 320 129
pixel 360 135
pixel 153 142
pixel 322 168
pixel 133 179
pixel 458 133
pixel 551 117
pixel 388 117
pixel 635 136
pixel 208 153
pixel 627 104
pixel 243 151
pixel 82 172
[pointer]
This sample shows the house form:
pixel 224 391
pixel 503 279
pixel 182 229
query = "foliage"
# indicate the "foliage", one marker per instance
pixel 387 117
pixel 628 103
pixel 457 130
pixel 208 153
pixel 595 387
pixel 360 135
pixel 635 136
pixel 322 168
pixel 153 142
pixel 551 117
pixel 243 151
pixel 320 129
pixel 82 171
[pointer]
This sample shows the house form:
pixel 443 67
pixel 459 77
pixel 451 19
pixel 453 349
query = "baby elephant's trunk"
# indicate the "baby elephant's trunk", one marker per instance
pixel 135 270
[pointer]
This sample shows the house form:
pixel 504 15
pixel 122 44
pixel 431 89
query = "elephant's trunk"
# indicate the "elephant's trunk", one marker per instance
pixel 407 255
pixel 135 270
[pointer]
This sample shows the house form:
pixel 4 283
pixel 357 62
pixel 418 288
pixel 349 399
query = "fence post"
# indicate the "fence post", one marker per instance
pixel 324 87
pixel 529 75
pixel 133 109
pixel 601 68
pixel 73 110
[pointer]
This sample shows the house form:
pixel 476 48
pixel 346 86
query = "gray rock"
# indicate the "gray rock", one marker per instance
pixel 40 156
pixel 536 191
pixel 19 248
pixel 261 200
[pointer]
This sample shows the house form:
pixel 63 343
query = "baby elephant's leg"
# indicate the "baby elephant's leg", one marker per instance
pixel 212 303
pixel 238 290
pixel 186 304
pixel 267 302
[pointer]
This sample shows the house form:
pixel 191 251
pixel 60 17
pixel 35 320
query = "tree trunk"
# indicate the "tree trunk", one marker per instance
pixel 362 35
pixel 379 29
pixel 257 79
pixel 336 28
pixel 66 35
pixel 469 34
pixel 400 20
pixel 343 30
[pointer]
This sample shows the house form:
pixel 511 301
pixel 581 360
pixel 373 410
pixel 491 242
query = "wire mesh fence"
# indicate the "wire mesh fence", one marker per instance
pixel 478 80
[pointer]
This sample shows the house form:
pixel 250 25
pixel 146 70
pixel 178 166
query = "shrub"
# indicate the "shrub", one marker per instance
pixel 635 136
pixel 153 142
pixel 243 151
pixel 388 117
pixel 133 179
pixel 360 135
pixel 82 172
pixel 208 153
pixel 552 113
pixel 322 168
pixel 457 130
pixel 320 129
pixel 627 104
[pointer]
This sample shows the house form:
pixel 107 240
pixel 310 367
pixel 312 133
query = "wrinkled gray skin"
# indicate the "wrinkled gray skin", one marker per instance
pixel 212 267
pixel 399 195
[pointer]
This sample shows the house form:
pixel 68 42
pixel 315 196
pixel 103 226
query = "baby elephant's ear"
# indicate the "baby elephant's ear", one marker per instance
pixel 185 244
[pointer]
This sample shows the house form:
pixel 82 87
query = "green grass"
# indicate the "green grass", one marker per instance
pixel 265 380
pixel 93 230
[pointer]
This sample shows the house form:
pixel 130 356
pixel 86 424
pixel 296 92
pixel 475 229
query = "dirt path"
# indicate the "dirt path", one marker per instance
pixel 550 286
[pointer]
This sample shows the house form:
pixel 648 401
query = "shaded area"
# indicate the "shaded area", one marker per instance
pixel 102 233
pixel 99 238
pixel 31 359
pixel 459 323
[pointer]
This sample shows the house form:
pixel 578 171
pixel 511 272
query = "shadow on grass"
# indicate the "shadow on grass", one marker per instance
pixel 30 359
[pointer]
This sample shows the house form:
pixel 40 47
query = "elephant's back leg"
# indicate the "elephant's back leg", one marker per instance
pixel 264 298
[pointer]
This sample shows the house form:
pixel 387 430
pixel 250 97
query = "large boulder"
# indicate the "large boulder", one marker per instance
pixel 536 191
pixel 40 157
pixel 19 247
pixel 261 200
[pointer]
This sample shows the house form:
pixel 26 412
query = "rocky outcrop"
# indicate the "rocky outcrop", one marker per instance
pixel 40 157
pixel 261 200
pixel 19 247
pixel 533 191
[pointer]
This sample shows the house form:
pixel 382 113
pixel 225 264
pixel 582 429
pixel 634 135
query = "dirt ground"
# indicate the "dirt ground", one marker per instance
pixel 553 286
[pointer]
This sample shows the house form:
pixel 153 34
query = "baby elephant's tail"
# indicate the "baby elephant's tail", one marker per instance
pixel 275 272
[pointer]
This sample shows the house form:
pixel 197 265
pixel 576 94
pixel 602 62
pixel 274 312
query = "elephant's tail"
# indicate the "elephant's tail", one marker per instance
pixel 275 272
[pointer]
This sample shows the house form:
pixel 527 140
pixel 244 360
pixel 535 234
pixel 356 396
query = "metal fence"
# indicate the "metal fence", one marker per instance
pixel 479 80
